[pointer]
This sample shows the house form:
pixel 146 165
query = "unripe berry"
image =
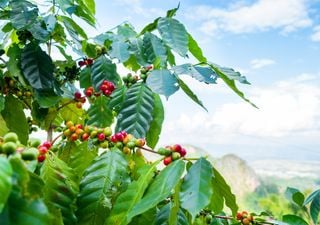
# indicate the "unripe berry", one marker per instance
pixel 74 137
pixel 93 134
pixel 69 124
pixel 67 133
pixel 175 155
pixel 140 142
pixel 104 144
pixel 131 144
pixel 245 221
pixel 72 129
pixel 126 150
pixel 167 160
pixel 119 145
pixel 79 131
pixel 79 105
pixel 107 131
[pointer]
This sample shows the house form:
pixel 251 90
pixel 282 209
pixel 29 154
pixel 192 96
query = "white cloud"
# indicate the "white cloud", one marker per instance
pixel 316 33
pixel 286 15
pixel 259 63
pixel 287 108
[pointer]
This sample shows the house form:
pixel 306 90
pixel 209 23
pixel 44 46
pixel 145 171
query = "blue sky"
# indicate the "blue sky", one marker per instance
pixel 275 44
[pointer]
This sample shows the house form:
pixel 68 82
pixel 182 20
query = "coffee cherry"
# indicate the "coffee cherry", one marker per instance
pixel 79 126
pixel 104 144
pixel 69 124
pixel 107 92
pixel 119 136
pixel 9 147
pixel 74 137
pixel 175 155
pixel 164 151
pixel 41 158
pixel 208 218
pixel 245 221
pixel 47 144
pixel 43 149
pixel 81 63
pixel 85 137
pixel 101 136
pixel 239 216
pixel 167 160
pixel 114 139
pixel 67 133
pixel 176 148
pixel 89 62
pixel 107 131
pixel 29 154
pixel 131 144
pixel 93 134
pixel 88 93
pixel 140 142
pixel 183 152
pixel 79 131
pixel 77 95
pixel 10 137
pixel 79 105
pixel 126 150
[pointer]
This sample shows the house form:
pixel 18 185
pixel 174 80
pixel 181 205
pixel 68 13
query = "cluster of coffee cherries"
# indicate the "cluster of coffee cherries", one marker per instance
pixel 102 137
pixel 85 62
pixel 131 79
pixel 43 150
pixel 126 142
pixel 245 218
pixel 172 153
pixel 11 86
pixel 79 99
pixel 106 88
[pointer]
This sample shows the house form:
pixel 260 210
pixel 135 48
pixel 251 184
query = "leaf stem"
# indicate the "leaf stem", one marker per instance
pixel 56 138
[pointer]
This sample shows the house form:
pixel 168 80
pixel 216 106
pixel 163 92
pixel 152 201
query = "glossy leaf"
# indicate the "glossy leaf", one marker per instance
pixel 195 50
pixel 99 113
pixel 293 220
pixel 60 189
pixel 3 126
pixel 85 78
pixel 101 183
pixel 5 181
pixel 103 69
pixel 128 199
pixel 154 48
pixel 15 118
pixel 201 73
pixel 162 82
pixel 136 112
pixel 231 84
pixel 73 27
pixel 190 93
pixel 222 194
pixel 71 112
pixel 154 131
pixel 22 14
pixel 174 34
pixel 295 195
pixel 117 98
pixel 314 198
pixel 164 214
pixel 120 51
pixel 160 188
pixel 91 5
pixel 137 51
pixel 195 194
pixel 37 67
pixel 172 12
pixel 150 27
pixel 175 210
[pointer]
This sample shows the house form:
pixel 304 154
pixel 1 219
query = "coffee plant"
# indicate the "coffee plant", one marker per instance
pixel 91 169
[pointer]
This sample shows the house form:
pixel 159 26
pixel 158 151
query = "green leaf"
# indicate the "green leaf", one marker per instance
pixel 5 181
pixel 38 32
pixel 147 217
pixel 3 126
pixel 37 67
pixel 295 195
pixel 150 27
pixel 102 182
pixel 201 73
pixel 162 82
pixel 195 194
pixel 99 113
pixel 13 65
pixel 128 199
pixel 293 220
pixel 174 34
pixel 154 48
pixel 126 32
pixel 154 131
pixel 175 206
pixel 172 12
pixel 136 112
pixel 195 50
pixel 189 92
pixel 136 49
pixel 71 112
pixel 103 69
pixel 231 84
pixel 164 214
pixel 60 188
pixel 85 78
pixel 73 27
pixel 91 5
pixel 15 118
pixel 120 51
pixel 314 198
pixel 222 193
pixel 118 97
pixel 23 14
pixel 2 101
pixel 47 98
pixel 160 188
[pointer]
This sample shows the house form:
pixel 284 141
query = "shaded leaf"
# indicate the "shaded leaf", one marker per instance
pixel 154 48
pixel 22 14
pixel 5 181
pixel 120 51
pixel 195 50
pixel 101 183
pixel 293 220
pixel 295 195
pixel 314 198
pixel 154 131
pixel 99 112
pixel 136 112
pixel 37 67
pixel 164 214
pixel 117 98
pixel 201 73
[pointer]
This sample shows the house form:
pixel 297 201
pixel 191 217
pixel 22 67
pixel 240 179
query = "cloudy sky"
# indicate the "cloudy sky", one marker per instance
pixel 274 43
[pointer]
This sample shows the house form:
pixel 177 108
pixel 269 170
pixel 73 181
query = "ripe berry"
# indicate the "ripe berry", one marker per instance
pixel 79 131
pixel 89 61
pixel 81 63
pixel 79 126
pixel 124 134
pixel 103 87
pixel 140 142
pixel 74 137
pixel 85 137
pixel 119 136
pixel 41 158
pixel 47 144
pixel 111 86
pixel 176 148
pixel 88 93
pixel 101 136
pixel 107 92
pixel 77 95
pixel 183 152
pixel 167 160
pixel 114 139
pixel 72 129
pixel 239 216
pixel 79 105
pixel 43 150
pixel 245 221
